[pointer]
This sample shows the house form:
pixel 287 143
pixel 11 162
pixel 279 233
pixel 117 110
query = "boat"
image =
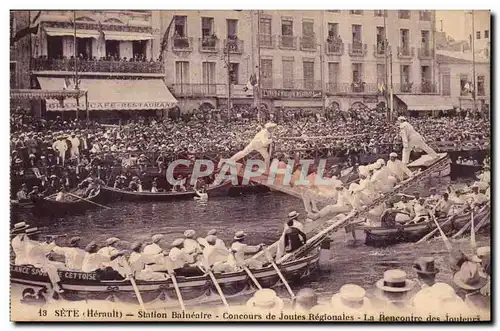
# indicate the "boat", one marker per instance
pixel 113 194
pixel 441 165
pixel 88 286
pixel 50 206
pixel 383 236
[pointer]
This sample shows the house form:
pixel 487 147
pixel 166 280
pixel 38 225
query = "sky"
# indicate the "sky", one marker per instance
pixel 458 24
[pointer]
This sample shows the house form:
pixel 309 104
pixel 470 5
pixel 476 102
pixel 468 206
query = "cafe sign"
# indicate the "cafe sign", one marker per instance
pixel 132 105
pixel 290 94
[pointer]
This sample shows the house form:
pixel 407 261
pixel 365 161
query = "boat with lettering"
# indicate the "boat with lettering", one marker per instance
pixel 89 286
pixel 113 194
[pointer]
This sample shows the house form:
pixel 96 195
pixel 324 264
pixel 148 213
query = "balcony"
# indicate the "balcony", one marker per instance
pixel 380 50
pixel 267 41
pixel 352 88
pixel 209 44
pixel 287 42
pixel 425 15
pixel 308 43
pixel 182 44
pixel 43 64
pixel 291 84
pixel 357 49
pixel 235 46
pixel 334 47
pixel 426 87
pixel 425 53
pixel 197 90
pixel 404 14
pixel 406 52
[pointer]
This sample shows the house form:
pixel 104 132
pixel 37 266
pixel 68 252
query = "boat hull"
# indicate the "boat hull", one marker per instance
pixel 87 286
pixel 442 165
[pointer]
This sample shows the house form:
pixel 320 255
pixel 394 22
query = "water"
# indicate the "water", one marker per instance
pixel 261 217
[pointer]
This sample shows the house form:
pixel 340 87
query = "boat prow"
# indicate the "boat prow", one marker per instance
pixel 426 161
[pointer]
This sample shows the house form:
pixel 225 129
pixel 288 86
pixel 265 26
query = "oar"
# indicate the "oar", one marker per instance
pixel 473 243
pixel 270 258
pixel 445 239
pixel 90 201
pixel 249 273
pixel 177 291
pixel 217 286
pixel 134 285
pixel 430 234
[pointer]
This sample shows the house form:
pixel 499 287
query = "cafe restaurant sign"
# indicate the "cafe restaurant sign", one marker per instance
pixel 53 105
pixel 290 94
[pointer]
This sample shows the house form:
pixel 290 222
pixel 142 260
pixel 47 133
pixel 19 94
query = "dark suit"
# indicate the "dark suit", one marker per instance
pixel 294 238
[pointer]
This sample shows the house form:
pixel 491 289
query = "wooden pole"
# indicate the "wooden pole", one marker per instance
pixel 134 285
pixel 178 291
pixel 95 203
pixel 429 235
pixel 445 239
pixel 270 258
pixel 217 286
pixel 473 243
pixel 249 273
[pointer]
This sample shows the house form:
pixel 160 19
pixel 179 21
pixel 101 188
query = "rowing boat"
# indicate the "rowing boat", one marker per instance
pixel 384 236
pixel 89 286
pixel 113 194
pixel 441 165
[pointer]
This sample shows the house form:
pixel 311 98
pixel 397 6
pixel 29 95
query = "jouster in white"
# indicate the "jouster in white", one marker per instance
pixel 73 255
pixel 75 145
pixel 412 140
pixel 397 168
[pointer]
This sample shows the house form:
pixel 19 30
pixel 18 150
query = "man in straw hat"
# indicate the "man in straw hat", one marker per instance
pixel 259 143
pixel 191 246
pixel 73 255
pixel 411 140
pixel 382 179
pixel 154 248
pixel 240 249
pixel 350 299
pixel 18 242
pixel 265 301
pixel 143 265
pixel 215 257
pixel 218 241
pixel 439 300
pixel 118 263
pixel 393 289
pixel 305 300
pixel 181 261
pixel 471 281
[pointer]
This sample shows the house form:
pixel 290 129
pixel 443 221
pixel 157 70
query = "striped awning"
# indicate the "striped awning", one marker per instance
pixel 416 102
pixel 45 94
pixel 108 35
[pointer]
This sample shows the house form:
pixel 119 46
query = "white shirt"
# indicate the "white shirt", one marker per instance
pixel 179 257
pixel 398 169
pixel 136 261
pixel 191 246
pixel 36 252
pixel 94 261
pixel 242 249
pixel 420 211
pixel 19 247
pixel 73 256
pixel 213 254
pixel 261 140
pixel 152 249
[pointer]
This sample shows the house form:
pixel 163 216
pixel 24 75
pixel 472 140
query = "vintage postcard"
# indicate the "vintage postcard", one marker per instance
pixel 250 165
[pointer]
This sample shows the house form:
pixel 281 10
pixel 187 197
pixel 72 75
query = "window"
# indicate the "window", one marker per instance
pixel 288 73
pixel 333 30
pixel 404 14
pixel 13 75
pixel 267 73
pixel 84 48
pixel 182 72
pixel 405 74
pixel 446 84
pixel 381 74
pixel 232 29
pixel 113 49
pixel 478 35
pixel 356 12
pixel 308 74
pixel 308 28
pixel 380 40
pixel 55 47
pixel 480 86
pixel 207 25
pixel 234 73
pixel 333 72
pixel 425 74
pixel 380 13
pixel 265 32
pixel 287 28
pixel 486 34
pixel 405 41
pixel 465 87
pixel 356 34
pixel 139 49
pixel 425 15
pixel 208 72
pixel 180 26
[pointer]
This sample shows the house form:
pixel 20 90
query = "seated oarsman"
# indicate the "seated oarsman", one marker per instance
pixel 135 185
pixel 477 199
pixel 18 242
pixel 93 187
pixel 218 242
pixel 62 194
pixel 119 263
pixel 240 249
pixel 294 238
pixel 422 214
pixel 388 219
pixel 215 257
pixel 443 206
pixel 191 246
pixel 140 264
pixel 35 193
pixel 344 204
pixel 120 182
pixel 382 180
pixel 93 261
pixel 35 254
pixel 22 194
pixel 154 248
pixel 397 168
pixel 181 261
pixel 73 254
pixel 404 206
pixel 433 198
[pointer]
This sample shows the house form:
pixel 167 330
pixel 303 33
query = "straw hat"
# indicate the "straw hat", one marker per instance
pixel 91 247
pixel 293 215
pixel 211 239
pixel 156 238
pixel 189 233
pixel 178 242
pixel 212 232
pixel 270 125
pixel 469 278
pixel 239 235
pixel 381 161
pixel 401 119
pixel 425 266
pixel 19 227
pixel 395 280
pixel 135 246
pixel 265 299
pixel 32 231
pixel 350 296
pixel 74 241
pixel 111 241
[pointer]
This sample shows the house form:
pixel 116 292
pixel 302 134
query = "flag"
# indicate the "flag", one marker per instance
pixel 164 41
pixel 67 83
pixel 252 82
pixel 31 29
pixel 101 42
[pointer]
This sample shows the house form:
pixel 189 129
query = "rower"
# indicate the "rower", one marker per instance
pixel 140 265
pixel 478 199
pixel 433 197
pixel 240 249
pixel 294 217
pixel 181 260
pixel 115 257
pixel 120 182
pixel 154 185
pixel 443 206
pixel 135 185
pixel 18 242
pixel 214 257
pixel 93 186
pixel 218 242
pixel 61 194
pixel 202 194
pixel 154 248
pixel 397 168
pixel 421 212
pixel 93 261
pixel 35 193
pixel 22 194
pixel 191 246
pixel 110 248
pixel 73 255
pixel 179 185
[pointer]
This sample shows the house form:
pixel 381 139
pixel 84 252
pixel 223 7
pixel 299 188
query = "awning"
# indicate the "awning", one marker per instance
pixel 426 102
pixel 114 94
pixel 56 32
pixel 33 94
pixel 118 35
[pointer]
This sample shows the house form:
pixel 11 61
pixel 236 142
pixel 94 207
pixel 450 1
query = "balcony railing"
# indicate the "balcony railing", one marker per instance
pixel 406 52
pixel 379 50
pixel 348 88
pixel 209 45
pixel 96 66
pixel 335 47
pixel 425 15
pixel 234 45
pixel 182 44
pixel 287 42
pixel 267 41
pixel 425 53
pixel 308 43
pixel 197 90
pixel 291 84
pixel 411 88
pixel 357 49
pixel 404 14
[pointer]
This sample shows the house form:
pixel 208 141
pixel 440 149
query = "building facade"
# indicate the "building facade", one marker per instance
pixel 308 59
pixel 107 53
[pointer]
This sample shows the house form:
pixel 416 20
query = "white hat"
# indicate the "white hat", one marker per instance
pixel 483 251
pixel 381 161
pixel 270 125
pixel 177 242
pixel 111 241
pixel 211 239
pixel 240 235
pixel 212 232
pixel 377 165
pixel 363 170
pixel 401 118
pixel 469 278
pixel 393 154
pixel 19 227
pixel 395 281
pixel 265 299
pixel 350 294
pixel 189 233
pixel 156 238
pixel 293 214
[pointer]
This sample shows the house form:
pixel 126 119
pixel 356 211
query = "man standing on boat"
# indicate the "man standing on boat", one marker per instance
pixel 411 140
pixel 259 143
